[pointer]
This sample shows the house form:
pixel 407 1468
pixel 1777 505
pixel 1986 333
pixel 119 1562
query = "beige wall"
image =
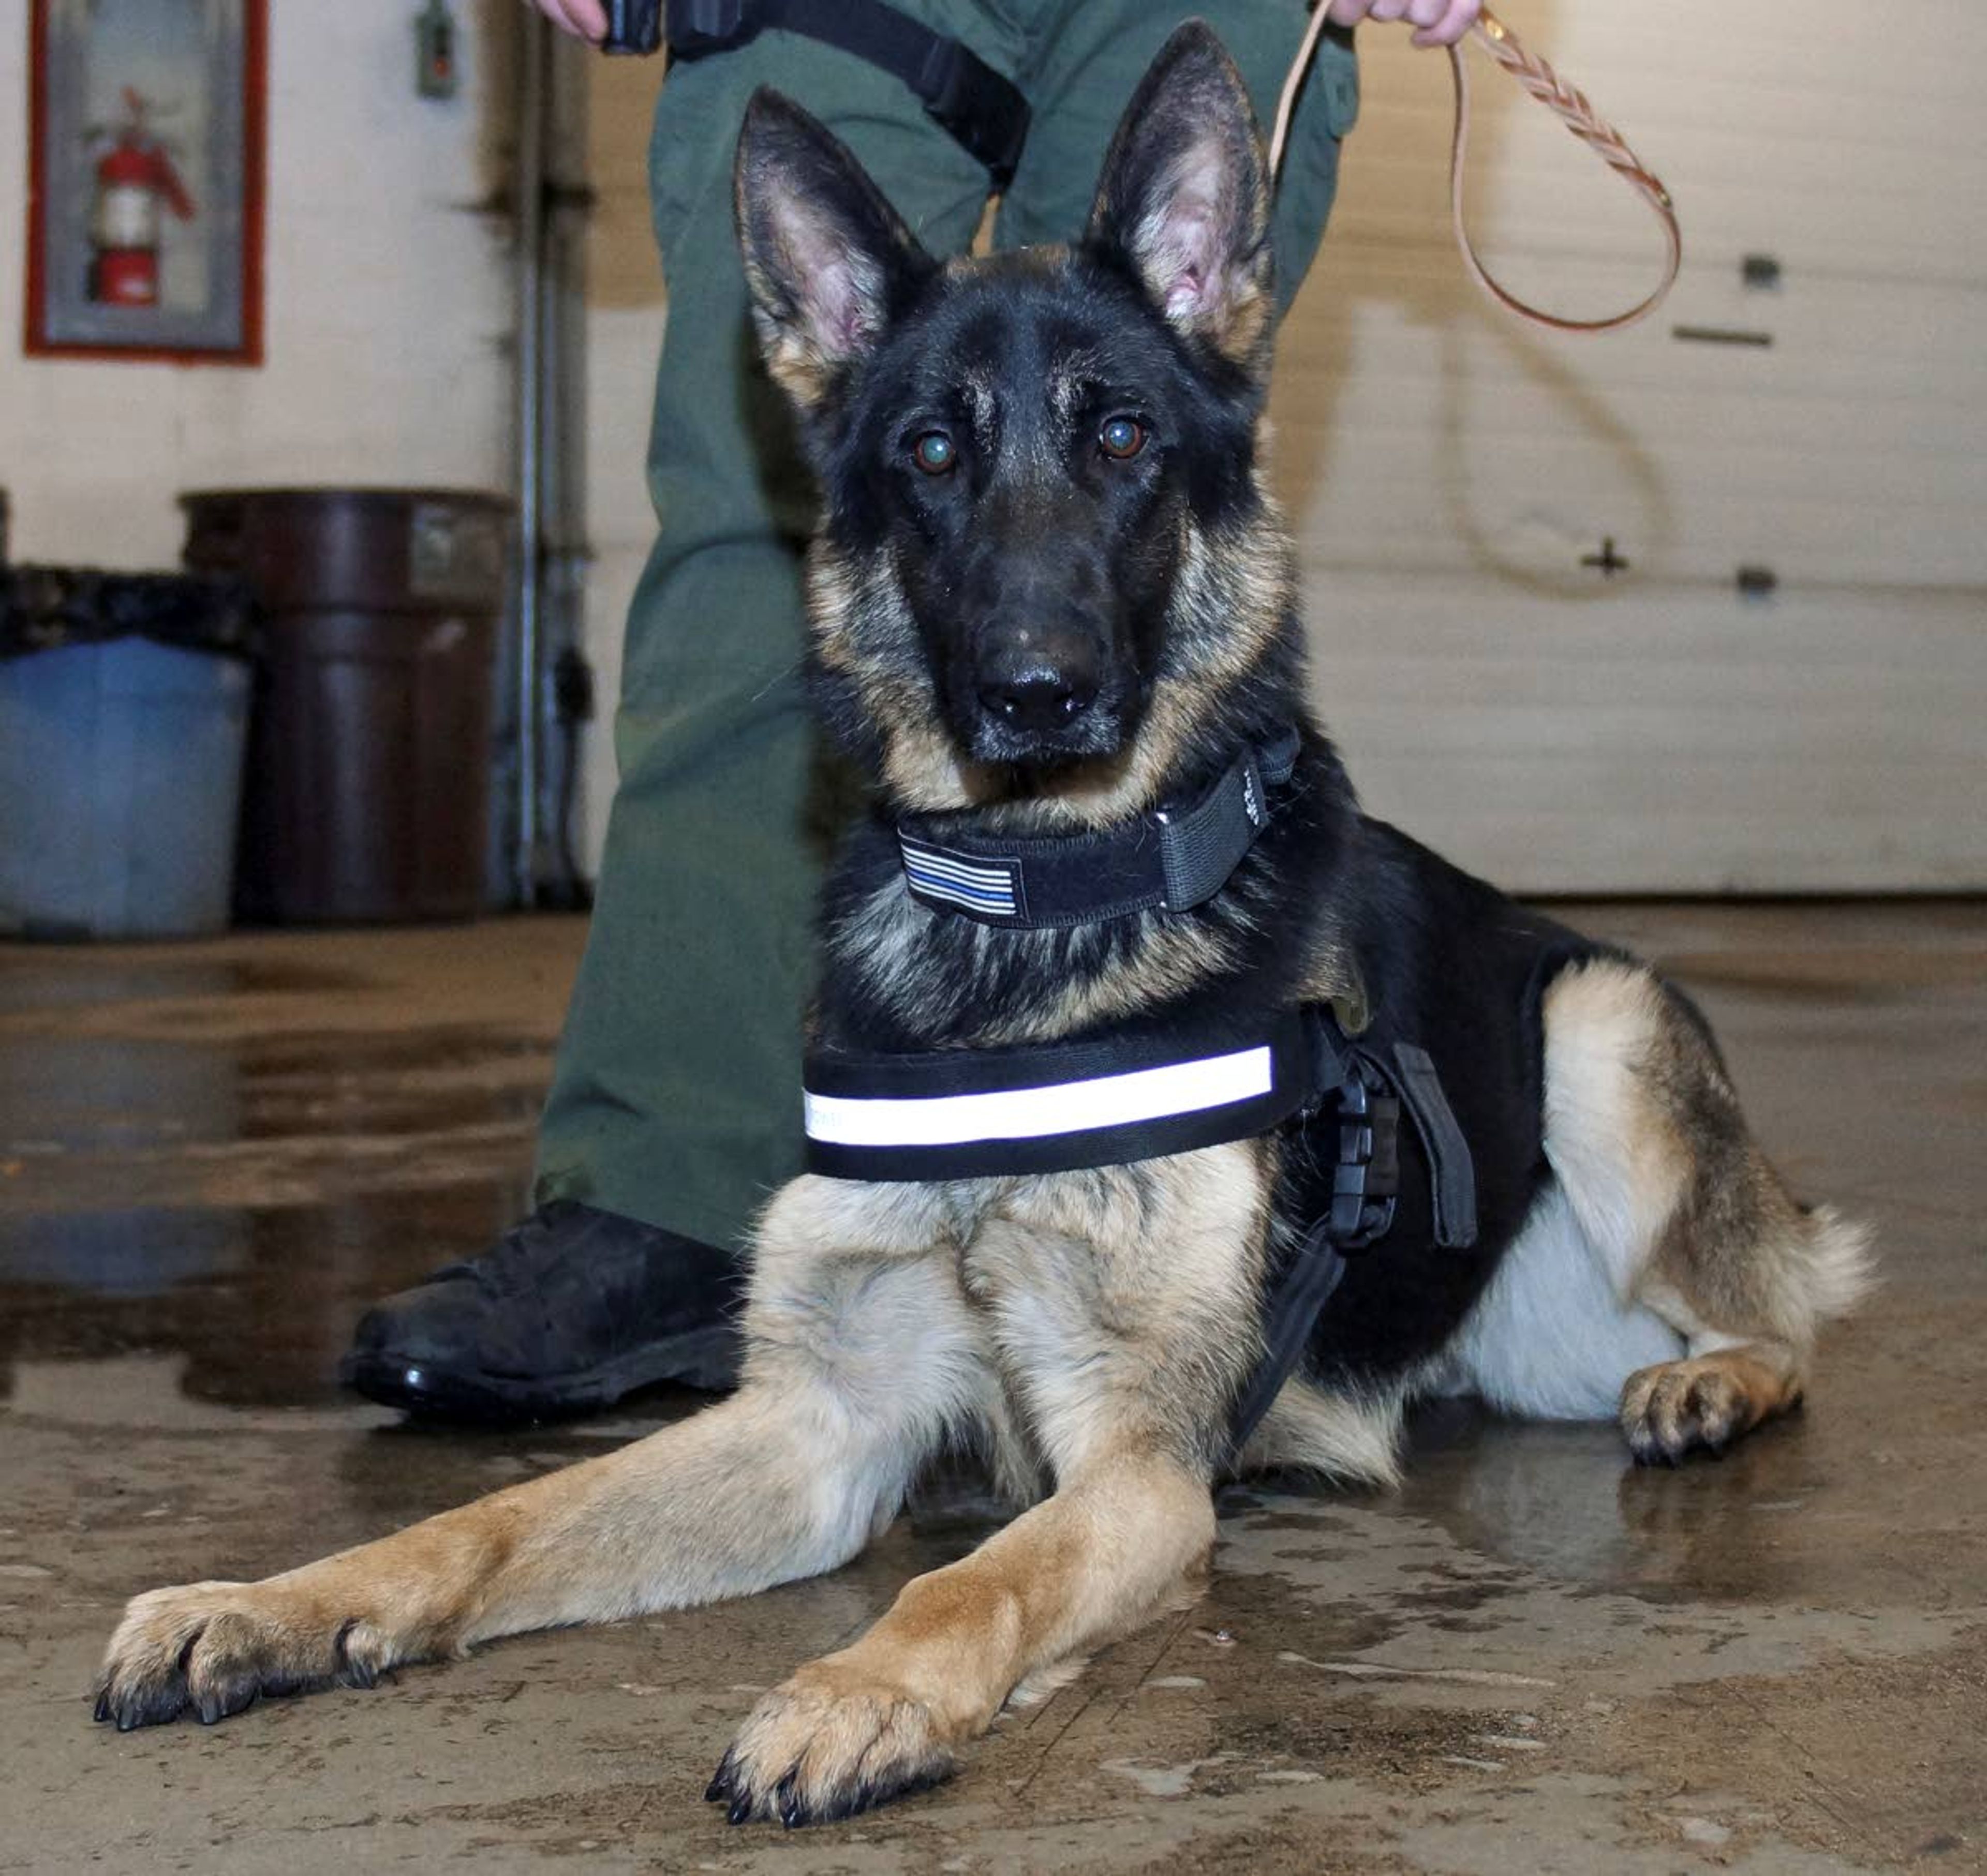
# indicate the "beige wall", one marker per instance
pixel 1448 469
pixel 389 306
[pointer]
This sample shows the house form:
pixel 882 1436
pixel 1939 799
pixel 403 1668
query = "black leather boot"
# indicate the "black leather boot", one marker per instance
pixel 568 1312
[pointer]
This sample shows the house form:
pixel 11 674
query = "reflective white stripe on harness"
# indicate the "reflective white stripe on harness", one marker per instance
pixel 1032 1108
pixel 1032 1113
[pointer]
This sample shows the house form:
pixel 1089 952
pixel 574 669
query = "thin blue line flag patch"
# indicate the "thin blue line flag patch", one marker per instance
pixel 987 887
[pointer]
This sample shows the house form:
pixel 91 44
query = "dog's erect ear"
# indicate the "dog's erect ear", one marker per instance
pixel 1184 197
pixel 828 260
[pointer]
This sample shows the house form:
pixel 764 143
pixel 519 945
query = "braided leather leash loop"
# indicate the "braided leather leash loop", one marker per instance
pixel 1567 102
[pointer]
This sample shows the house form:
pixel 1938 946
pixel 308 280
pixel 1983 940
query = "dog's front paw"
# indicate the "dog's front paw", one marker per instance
pixel 217 1647
pixel 830 1742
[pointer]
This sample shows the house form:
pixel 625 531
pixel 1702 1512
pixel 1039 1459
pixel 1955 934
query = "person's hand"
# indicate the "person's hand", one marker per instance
pixel 585 19
pixel 1438 22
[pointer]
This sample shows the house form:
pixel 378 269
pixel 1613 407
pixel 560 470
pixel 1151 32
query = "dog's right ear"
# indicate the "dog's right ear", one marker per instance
pixel 828 261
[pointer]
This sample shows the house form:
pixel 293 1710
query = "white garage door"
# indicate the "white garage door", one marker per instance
pixel 1464 487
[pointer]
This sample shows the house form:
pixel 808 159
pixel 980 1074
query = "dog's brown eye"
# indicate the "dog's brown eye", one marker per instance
pixel 934 453
pixel 1121 438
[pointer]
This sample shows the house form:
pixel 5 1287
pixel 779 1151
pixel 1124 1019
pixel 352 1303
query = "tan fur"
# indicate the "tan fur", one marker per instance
pixel 883 1321
pixel 1128 1536
pixel 1709 1400
pixel 1346 1438
pixel 1690 1220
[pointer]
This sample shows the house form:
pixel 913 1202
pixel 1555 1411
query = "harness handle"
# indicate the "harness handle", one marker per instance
pixel 1580 117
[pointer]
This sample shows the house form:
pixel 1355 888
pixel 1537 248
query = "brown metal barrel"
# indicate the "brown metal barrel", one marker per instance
pixel 367 793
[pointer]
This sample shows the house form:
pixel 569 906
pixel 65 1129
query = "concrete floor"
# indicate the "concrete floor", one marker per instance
pixel 1535 1658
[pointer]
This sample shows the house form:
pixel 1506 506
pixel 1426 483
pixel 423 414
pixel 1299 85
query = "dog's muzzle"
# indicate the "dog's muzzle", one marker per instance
pixel 1044 697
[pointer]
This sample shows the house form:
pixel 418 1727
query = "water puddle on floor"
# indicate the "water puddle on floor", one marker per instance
pixel 186 1137
pixel 74 979
pixel 108 1094
pixel 257 1304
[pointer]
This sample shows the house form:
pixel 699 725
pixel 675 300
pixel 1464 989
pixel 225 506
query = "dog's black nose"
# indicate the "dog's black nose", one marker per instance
pixel 1038 697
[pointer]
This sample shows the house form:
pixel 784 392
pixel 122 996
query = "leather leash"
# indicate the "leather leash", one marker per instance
pixel 1569 105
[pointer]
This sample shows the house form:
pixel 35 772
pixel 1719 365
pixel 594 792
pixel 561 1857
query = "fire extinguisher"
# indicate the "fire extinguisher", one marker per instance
pixel 136 185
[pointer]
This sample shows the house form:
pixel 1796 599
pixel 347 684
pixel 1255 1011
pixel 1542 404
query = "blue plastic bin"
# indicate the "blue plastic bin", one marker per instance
pixel 120 780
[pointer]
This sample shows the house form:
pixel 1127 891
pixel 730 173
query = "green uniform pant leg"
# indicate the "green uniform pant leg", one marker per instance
pixel 1087 61
pixel 675 1097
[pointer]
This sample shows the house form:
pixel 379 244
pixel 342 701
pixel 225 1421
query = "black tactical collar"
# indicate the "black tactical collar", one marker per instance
pixel 1171 859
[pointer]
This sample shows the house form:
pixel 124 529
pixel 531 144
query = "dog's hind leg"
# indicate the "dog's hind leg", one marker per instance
pixel 859 1360
pixel 1123 1304
pixel 1666 1246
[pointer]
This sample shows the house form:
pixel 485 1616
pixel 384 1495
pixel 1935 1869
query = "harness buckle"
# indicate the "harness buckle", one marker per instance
pixel 1366 1182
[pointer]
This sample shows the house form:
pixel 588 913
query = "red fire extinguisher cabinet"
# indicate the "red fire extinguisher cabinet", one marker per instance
pixel 366 796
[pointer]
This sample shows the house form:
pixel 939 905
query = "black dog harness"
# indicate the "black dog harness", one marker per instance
pixel 958 1114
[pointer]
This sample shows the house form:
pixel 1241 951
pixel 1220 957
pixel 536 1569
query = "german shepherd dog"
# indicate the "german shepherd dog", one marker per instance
pixel 1051 595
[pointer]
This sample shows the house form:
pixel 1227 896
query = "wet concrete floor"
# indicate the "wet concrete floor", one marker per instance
pixel 1534 1657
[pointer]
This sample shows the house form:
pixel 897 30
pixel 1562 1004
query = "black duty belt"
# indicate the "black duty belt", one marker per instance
pixel 983 110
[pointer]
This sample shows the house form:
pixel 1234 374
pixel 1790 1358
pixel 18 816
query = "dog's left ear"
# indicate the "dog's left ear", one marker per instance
pixel 828 260
pixel 1184 197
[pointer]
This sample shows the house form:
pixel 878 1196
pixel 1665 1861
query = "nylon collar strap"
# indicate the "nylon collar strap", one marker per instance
pixel 1170 860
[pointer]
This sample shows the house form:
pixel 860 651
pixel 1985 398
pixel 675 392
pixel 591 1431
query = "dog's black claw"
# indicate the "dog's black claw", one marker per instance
pixel 787 1797
pixel 129 1710
pixel 920 1781
pixel 720 1787
pixel 103 1706
pixel 349 1672
pixel 232 1697
pixel 741 1809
